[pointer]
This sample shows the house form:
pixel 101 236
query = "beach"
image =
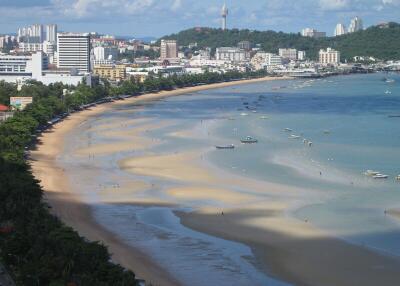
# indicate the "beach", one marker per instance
pixel 222 204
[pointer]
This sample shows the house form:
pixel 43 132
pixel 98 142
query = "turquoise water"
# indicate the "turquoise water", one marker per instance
pixel 354 109
pixel 338 197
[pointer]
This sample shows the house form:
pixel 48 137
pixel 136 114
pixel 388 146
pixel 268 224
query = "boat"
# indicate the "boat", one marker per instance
pixel 263 117
pixel 327 132
pixel 388 92
pixel 231 146
pixel 398 177
pixel 371 173
pixel 243 114
pixel 294 137
pixel 288 130
pixel 380 176
pixel 249 140
pixel 389 80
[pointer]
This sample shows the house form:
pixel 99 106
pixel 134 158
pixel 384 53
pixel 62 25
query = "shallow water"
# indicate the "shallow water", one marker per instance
pixel 354 109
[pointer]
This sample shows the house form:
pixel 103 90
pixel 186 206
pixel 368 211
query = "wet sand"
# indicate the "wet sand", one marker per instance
pixel 70 208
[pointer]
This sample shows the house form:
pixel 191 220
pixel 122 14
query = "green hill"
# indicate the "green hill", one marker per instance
pixel 381 42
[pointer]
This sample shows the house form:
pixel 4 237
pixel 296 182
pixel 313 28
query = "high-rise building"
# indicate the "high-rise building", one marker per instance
pixel 290 54
pixel 356 25
pixel 224 14
pixel 339 30
pixel 73 51
pixel 329 56
pixel 301 55
pixel 51 33
pixel 105 53
pixel 31 34
pixel 169 49
pixel 312 33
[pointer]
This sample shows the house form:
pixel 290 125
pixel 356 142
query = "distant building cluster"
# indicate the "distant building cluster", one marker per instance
pixel 356 25
pixel 40 52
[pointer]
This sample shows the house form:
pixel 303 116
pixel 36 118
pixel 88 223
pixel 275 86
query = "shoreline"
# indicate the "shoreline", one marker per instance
pixel 288 249
pixel 67 206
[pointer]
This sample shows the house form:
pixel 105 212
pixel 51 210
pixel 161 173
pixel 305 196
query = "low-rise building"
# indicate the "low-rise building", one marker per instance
pixel 263 60
pixel 232 54
pixel 329 57
pixel 312 33
pixel 290 54
pixel 20 68
pixel 110 72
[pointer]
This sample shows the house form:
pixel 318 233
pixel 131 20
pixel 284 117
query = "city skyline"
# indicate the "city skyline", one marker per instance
pixel 137 17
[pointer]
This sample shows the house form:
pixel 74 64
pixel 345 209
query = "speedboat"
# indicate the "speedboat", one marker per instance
pixel 231 146
pixel 294 137
pixel 249 140
pixel 243 114
pixel 288 130
pixel 390 80
pixel 380 176
pixel 371 173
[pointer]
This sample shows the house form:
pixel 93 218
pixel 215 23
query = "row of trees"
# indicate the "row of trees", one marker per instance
pixel 381 42
pixel 38 248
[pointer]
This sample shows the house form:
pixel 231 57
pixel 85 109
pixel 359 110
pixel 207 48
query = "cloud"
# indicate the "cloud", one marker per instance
pixel 333 4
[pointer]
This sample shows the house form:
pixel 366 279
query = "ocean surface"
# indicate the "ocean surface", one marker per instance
pixel 350 120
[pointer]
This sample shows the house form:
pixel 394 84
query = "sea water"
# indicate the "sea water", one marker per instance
pixel 349 121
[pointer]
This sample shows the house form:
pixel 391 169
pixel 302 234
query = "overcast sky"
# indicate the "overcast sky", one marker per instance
pixel 160 17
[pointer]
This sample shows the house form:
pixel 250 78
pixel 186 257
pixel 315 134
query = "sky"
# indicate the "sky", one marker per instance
pixel 139 18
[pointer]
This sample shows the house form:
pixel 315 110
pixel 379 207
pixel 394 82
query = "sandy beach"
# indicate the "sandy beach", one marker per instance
pixel 253 213
pixel 69 207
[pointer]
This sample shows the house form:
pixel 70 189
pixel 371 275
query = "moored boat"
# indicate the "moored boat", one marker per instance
pixel 249 140
pixel 380 176
pixel 230 146
pixel 371 173
pixel 288 130
pixel 294 137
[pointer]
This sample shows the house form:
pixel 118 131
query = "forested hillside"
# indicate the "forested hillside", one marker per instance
pixel 381 42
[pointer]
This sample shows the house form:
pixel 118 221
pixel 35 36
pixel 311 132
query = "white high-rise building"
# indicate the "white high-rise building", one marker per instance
pixel 31 34
pixel 356 25
pixel 51 33
pixel 339 30
pixel 329 56
pixel 169 49
pixel 224 14
pixel 73 51
pixel 105 53
pixel 301 55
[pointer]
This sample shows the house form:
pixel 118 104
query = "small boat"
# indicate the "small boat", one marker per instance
pixel 380 176
pixel 294 137
pixel 231 146
pixel 231 118
pixel 398 177
pixel 263 117
pixel 327 132
pixel 310 144
pixel 390 80
pixel 371 173
pixel 249 140
pixel 388 92
pixel 288 130
pixel 243 114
